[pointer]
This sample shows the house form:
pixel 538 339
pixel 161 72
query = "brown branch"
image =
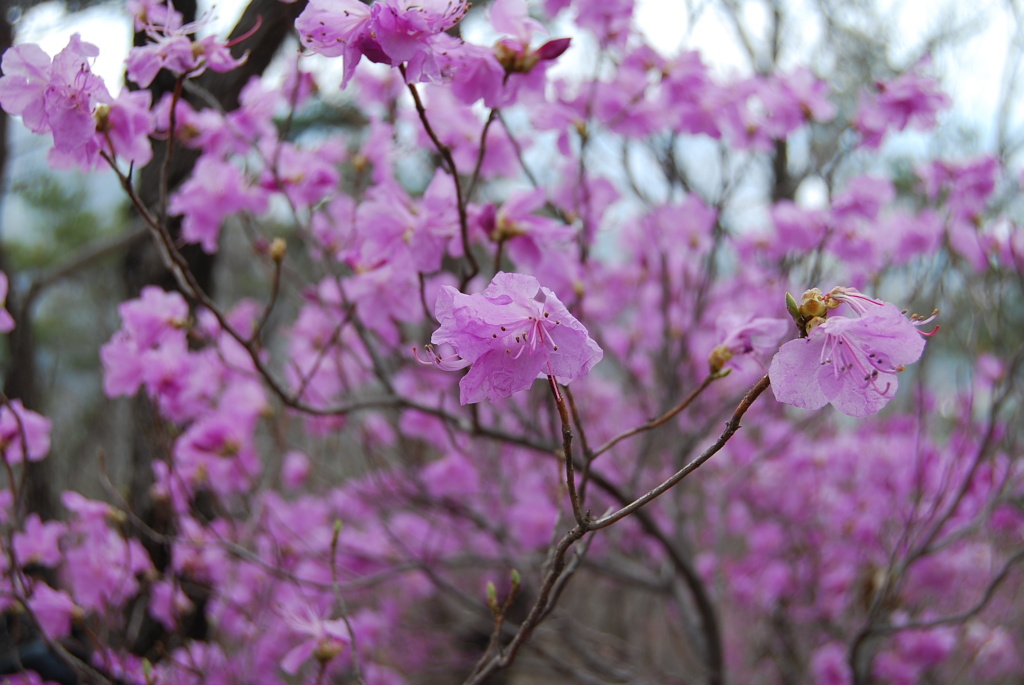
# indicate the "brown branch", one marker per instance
pixel 449 160
pixel 731 426
pixel 654 423
pixel 570 475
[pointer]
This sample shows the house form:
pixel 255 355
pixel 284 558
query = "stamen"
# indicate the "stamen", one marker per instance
pixel 452 363
pixel 851 360
pixel 247 34
pixel 857 300
pixel 426 362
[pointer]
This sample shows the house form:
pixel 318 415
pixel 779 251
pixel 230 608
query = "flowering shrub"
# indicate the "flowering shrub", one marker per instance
pixel 326 509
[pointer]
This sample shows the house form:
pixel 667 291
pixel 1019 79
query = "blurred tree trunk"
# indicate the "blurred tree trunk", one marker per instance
pixel 273 22
pixel 20 380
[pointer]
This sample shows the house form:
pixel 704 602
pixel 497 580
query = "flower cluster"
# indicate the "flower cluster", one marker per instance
pixel 387 31
pixel 850 362
pixel 306 503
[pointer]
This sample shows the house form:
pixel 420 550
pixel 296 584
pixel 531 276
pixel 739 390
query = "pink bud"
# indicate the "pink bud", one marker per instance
pixel 553 49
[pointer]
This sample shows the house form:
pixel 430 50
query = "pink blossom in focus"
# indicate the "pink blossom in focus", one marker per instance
pixel 61 97
pixel 172 48
pixel 337 28
pixel 850 362
pixel 512 333
pixel 394 32
pixel 26 71
pixel 124 126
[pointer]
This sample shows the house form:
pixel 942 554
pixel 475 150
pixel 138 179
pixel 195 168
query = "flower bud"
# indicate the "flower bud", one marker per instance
pixel 492 598
pixel 327 649
pixel 278 249
pixel 718 358
pixel 812 304
pixel 814 323
pixel 102 117
pixel 553 49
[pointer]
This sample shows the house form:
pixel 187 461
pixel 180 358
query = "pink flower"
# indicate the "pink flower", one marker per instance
pixel 336 28
pixel 216 190
pixel 609 20
pixel 797 228
pixel 305 176
pixel 295 469
pixel 172 49
pixel 60 97
pixel 963 188
pixel 53 609
pixel 26 73
pixel 828 664
pixel 150 13
pixel 71 96
pixel 753 335
pixel 908 100
pixel 217 451
pixel 528 236
pixel 39 543
pixel 23 433
pixel 388 32
pixel 167 602
pixel 101 568
pixel 324 639
pixel 412 31
pixel 155 318
pixel 511 334
pixel 151 337
pixel 810 93
pixel 124 126
pixel 850 362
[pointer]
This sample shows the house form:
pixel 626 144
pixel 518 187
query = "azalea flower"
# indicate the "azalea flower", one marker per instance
pixel 389 32
pixel 61 96
pixel 511 334
pixel 24 434
pixel 850 362
pixel 324 639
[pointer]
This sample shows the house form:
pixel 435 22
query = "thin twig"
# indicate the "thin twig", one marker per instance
pixel 570 475
pixel 654 423
pixel 449 160
pixel 731 426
